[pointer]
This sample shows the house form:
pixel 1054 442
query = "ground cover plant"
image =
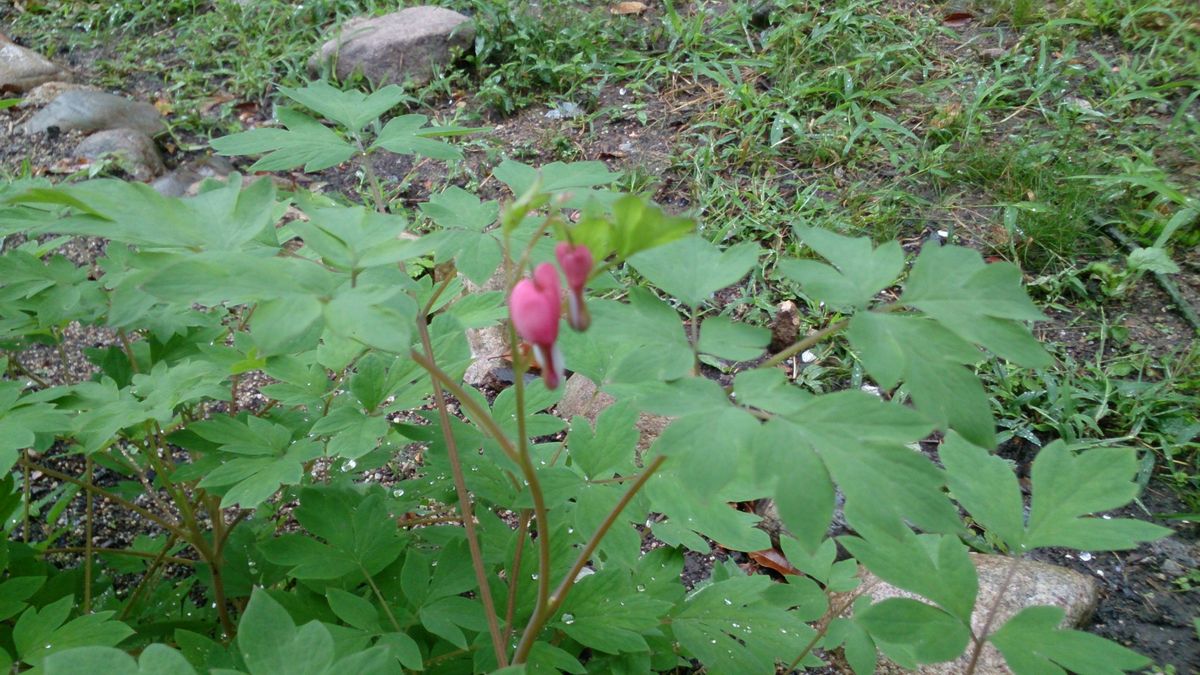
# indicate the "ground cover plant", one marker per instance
pixel 280 398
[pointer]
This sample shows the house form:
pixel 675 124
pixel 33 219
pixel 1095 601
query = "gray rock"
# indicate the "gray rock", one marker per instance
pixel 397 47
pixel 488 347
pixel 95 111
pixel 22 69
pixel 582 397
pixel 134 151
pixel 46 92
pixel 1035 583
pixel 186 180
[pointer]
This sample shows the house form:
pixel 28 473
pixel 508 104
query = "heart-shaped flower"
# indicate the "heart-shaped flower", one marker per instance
pixel 535 306
pixel 576 263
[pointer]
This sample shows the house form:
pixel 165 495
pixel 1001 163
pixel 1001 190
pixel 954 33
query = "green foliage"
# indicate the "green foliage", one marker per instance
pixel 505 544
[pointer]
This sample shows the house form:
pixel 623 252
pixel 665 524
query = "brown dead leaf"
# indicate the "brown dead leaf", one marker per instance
pixel 773 559
pixel 246 111
pixel 69 165
pixel 214 101
pixel 957 19
pixel 629 8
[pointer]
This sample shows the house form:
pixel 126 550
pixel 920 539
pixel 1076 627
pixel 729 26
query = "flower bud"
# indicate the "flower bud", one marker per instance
pixel 535 306
pixel 576 263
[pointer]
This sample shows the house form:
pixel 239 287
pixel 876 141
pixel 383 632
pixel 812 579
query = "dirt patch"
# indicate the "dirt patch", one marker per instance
pixel 1148 600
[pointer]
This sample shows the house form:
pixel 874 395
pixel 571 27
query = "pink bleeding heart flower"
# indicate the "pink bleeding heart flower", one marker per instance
pixel 535 306
pixel 576 263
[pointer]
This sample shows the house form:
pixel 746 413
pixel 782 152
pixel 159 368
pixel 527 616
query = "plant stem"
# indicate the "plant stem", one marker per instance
pixel 150 573
pixel 218 584
pixel 539 619
pixel 833 614
pixel 128 349
pixel 514 573
pixel 145 513
pixel 540 513
pixel 14 363
pixel 373 179
pixel 26 488
pixel 981 639
pixel 478 414
pixel 807 342
pixel 694 328
pixel 89 498
pixel 382 600
pixel 119 551
pixel 464 503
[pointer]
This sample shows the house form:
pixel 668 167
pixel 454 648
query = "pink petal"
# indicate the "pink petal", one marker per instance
pixel 576 263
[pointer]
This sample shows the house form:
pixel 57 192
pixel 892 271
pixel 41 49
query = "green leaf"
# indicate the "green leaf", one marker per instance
pixel 353 609
pixel 857 646
pixel 354 238
pixel 727 339
pixel 986 487
pixel 927 357
pixel 269 640
pixel 358 536
pixel 861 271
pixel 306 142
pixel 604 612
pixel 732 628
pixel 93 660
pixel 769 389
pixel 642 341
pixel 931 634
pixel 15 591
pixel 238 278
pixel 225 219
pixel 403 648
pixel 408 135
pixel 638 225
pixel 1068 486
pixel 286 325
pixel 155 660
pixel 1033 644
pixel 689 510
pixel 934 566
pixel 804 496
pixel 352 109
pixel 555 176
pixel 375 316
pixel 446 617
pixel 38 634
pixel 1153 259
pixel 610 447
pixel 863 442
pixel 621 546
pixel 455 208
pixel 692 269
pixel 977 301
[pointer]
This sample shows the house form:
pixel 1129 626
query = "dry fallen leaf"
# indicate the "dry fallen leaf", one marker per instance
pixel 629 8
pixel 957 18
pixel 775 560
pixel 215 100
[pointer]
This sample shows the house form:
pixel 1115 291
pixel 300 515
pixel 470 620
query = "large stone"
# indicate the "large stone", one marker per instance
pixel 1034 583
pixel 22 69
pixel 185 180
pixel 46 92
pixel 398 47
pixel 134 151
pixel 583 398
pixel 96 111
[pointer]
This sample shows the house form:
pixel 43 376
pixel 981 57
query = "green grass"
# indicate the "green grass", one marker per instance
pixel 1025 132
